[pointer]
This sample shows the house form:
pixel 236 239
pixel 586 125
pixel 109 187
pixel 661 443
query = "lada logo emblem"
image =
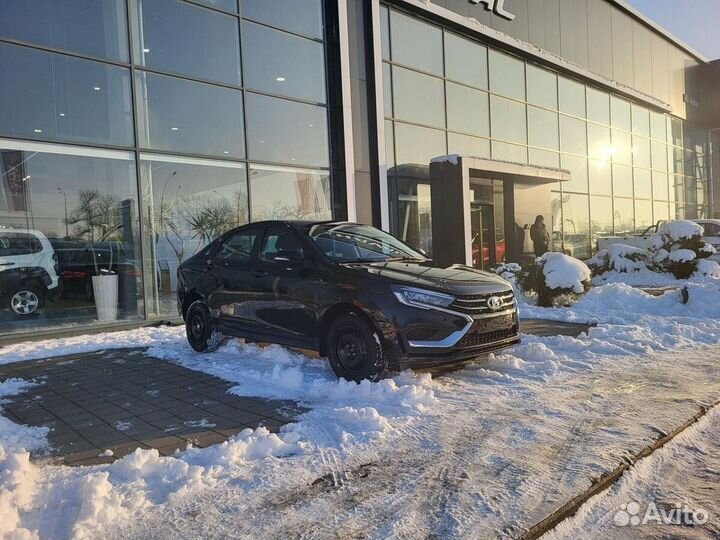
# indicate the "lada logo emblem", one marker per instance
pixel 494 303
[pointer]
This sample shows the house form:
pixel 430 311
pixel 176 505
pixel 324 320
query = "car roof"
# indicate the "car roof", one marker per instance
pixel 295 223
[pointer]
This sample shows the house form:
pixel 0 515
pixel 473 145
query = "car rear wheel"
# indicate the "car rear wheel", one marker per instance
pixel 355 350
pixel 25 301
pixel 200 328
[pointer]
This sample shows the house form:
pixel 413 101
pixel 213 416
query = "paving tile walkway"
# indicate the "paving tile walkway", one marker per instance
pixel 121 400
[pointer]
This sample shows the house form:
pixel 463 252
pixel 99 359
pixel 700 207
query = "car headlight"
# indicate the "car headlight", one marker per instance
pixel 421 298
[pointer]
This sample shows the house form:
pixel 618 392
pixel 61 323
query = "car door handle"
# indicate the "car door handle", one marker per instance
pixel 8 264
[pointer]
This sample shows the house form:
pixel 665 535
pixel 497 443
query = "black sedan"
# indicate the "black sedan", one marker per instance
pixel 351 292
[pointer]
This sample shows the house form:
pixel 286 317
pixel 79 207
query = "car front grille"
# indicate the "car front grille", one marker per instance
pixel 478 304
pixel 486 338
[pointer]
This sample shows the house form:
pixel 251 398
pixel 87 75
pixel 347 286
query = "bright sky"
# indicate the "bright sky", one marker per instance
pixel 693 21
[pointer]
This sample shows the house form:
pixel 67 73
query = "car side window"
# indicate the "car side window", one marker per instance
pixel 19 244
pixel 238 248
pixel 281 245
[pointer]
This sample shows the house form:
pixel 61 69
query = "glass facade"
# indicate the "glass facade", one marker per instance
pixel 630 166
pixel 132 132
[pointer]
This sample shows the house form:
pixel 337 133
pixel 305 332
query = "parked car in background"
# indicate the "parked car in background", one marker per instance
pixel 28 270
pixel 351 292
pixel 642 240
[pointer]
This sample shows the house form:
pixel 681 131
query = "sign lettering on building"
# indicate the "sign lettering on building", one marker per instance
pixel 497 7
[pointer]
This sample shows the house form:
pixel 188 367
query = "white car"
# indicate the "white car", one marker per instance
pixel 28 270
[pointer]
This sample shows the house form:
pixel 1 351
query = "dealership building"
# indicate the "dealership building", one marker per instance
pixel 132 132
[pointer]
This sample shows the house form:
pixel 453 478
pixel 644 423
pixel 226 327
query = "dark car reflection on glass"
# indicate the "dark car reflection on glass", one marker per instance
pixel 353 293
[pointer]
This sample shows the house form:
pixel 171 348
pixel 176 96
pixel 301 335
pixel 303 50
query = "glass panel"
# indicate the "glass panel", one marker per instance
pixel 415 43
pixel 179 37
pixel 658 126
pixel 542 87
pixel 283 64
pixel 572 97
pixel 620 114
pixel 600 174
pixel 507 75
pixel 187 203
pixel 599 142
pixel 508 120
pixel 641 152
pixel 622 181
pixel 82 209
pixel 659 156
pixel 598 104
pixel 643 183
pixel 509 152
pixel 465 61
pixel 573 135
pixel 621 147
pixel 556 235
pixel 601 217
pixel 238 248
pixel 417 145
pixel 227 5
pixel 661 211
pixel 643 215
pixel 624 214
pixel 301 16
pixel 576 226
pixel 543 158
pixel 640 120
pixel 387 90
pixel 385 32
pixel 284 193
pixel 660 186
pixel 543 128
pixel 389 144
pixel 184 116
pixel 415 214
pixel 676 131
pixel 53 96
pixel 97 28
pixel 578 173
pixel 290 248
pixel 677 191
pixel 418 98
pixel 467 110
pixel 284 131
pixel 465 145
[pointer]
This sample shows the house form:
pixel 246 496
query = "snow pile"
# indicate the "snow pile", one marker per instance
pixel 676 231
pixel 139 337
pixel 565 272
pixel 15 437
pixel 682 256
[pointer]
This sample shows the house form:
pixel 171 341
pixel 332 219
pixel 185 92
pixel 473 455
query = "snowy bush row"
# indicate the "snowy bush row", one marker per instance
pixel 677 248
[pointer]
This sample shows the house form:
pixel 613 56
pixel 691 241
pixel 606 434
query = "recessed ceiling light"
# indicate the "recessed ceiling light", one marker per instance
pixel 96 88
pixel 146 50
pixel 280 79
pixel 262 141
pixel 174 129
pixel 62 114
pixel 311 125
pixel 225 152
pixel 37 130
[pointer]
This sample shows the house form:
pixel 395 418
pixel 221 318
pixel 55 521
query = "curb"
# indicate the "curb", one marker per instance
pixel 606 481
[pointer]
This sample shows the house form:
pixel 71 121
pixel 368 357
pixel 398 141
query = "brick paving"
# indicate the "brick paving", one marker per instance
pixel 121 400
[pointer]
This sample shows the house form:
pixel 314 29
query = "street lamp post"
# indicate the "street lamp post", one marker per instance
pixel 67 231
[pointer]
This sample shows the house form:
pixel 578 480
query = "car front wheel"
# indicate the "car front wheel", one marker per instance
pixel 355 350
pixel 26 301
pixel 200 328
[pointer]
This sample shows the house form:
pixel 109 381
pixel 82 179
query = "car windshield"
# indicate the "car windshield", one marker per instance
pixel 347 242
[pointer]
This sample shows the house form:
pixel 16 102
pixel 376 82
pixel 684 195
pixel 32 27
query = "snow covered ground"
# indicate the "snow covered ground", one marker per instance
pixel 483 452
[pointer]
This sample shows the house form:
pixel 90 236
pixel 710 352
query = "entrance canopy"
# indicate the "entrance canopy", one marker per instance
pixel 520 193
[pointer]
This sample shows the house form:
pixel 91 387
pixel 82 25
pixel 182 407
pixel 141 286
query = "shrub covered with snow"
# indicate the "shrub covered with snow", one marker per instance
pixel 678 248
pixel 555 278
pixel 618 258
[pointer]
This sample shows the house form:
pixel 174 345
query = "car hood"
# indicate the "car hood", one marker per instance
pixel 455 279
